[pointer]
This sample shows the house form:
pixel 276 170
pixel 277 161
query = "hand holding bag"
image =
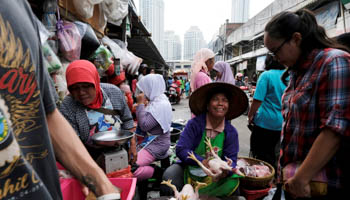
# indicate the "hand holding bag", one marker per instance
pixel 318 183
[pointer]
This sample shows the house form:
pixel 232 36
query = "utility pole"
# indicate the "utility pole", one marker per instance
pixel 224 46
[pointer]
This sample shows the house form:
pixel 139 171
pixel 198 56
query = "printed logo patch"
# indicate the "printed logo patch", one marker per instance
pixel 3 128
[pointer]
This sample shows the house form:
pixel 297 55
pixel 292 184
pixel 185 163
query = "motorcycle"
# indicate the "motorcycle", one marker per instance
pixel 173 94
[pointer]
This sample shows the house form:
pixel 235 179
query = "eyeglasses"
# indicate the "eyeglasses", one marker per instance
pixel 274 53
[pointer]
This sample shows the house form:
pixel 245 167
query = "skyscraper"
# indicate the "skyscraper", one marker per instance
pixel 193 41
pixel 240 11
pixel 152 15
pixel 172 46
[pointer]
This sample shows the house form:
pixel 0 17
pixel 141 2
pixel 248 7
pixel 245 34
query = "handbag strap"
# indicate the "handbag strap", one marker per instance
pixel 108 111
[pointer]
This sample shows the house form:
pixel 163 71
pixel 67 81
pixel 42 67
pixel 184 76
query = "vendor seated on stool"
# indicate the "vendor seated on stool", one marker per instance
pixel 154 116
pixel 86 95
pixel 214 104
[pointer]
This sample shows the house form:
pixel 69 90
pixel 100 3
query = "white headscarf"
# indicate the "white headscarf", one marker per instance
pixel 198 63
pixel 153 87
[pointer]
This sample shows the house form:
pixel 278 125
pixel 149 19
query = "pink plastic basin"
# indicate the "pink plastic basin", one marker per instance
pixel 71 189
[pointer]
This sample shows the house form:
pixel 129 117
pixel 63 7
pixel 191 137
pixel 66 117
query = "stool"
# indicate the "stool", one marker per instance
pixel 165 162
pixel 153 183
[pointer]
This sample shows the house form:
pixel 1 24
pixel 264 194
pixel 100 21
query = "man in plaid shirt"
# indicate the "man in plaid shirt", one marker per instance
pixel 316 103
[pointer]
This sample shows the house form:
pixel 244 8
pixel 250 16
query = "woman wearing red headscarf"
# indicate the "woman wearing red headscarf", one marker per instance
pixel 88 94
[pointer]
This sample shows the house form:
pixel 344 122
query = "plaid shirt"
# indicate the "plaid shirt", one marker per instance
pixel 318 96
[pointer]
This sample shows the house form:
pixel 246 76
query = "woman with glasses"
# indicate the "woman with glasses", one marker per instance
pixel 265 113
pixel 315 106
pixel 87 95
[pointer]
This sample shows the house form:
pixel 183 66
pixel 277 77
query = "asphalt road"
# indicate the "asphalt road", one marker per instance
pixel 182 112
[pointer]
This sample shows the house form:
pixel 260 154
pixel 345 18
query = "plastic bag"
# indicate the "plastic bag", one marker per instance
pixel 51 61
pixel 102 19
pixel 120 43
pixel 128 60
pixel 131 63
pixel 43 32
pixel 49 15
pixel 89 43
pixel 115 10
pixel 81 27
pixel 84 8
pixel 117 51
pixel 69 40
pixel 102 58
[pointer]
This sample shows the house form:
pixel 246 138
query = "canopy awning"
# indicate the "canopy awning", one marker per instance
pixel 141 44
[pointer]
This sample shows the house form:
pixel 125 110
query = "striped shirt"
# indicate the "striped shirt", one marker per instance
pixel 318 97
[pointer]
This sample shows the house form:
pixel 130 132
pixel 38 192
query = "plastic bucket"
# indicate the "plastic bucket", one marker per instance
pixel 71 188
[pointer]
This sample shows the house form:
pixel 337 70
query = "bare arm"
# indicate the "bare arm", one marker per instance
pixel 70 151
pixel 321 152
pixel 253 109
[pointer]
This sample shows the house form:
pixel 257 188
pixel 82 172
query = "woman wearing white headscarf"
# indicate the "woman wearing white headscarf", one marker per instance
pixel 202 64
pixel 224 72
pixel 154 116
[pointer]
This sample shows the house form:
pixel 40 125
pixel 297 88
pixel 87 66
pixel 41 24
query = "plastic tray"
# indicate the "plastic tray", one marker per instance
pixel 71 189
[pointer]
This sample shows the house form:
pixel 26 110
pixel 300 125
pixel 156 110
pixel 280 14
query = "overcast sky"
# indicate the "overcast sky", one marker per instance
pixel 208 15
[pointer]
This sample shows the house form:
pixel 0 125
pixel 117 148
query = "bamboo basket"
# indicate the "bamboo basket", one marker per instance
pixel 257 182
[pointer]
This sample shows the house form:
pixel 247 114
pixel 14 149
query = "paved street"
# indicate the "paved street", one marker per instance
pixel 182 111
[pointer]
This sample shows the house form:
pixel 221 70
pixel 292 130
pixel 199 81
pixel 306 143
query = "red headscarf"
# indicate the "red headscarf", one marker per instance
pixel 83 71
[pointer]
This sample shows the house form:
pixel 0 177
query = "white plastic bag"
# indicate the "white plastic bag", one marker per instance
pixel 128 60
pixel 116 50
pixel 43 32
pixel 115 10
pixel 131 63
pixel 84 8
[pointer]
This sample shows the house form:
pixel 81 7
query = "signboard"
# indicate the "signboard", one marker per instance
pixel 260 63
pixel 244 65
pixel 326 16
pixel 346 3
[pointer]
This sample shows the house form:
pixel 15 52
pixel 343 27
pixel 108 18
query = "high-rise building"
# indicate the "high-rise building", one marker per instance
pixel 152 15
pixel 193 41
pixel 172 46
pixel 240 11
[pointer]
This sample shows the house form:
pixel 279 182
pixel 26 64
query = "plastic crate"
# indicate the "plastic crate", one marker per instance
pixel 71 188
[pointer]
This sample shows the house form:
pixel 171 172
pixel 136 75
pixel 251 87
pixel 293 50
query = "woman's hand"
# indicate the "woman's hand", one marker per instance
pixel 141 99
pixel 297 188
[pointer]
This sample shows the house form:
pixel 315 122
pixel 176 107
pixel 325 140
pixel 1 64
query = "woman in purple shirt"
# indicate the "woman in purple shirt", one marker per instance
pixel 214 104
pixel 154 115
